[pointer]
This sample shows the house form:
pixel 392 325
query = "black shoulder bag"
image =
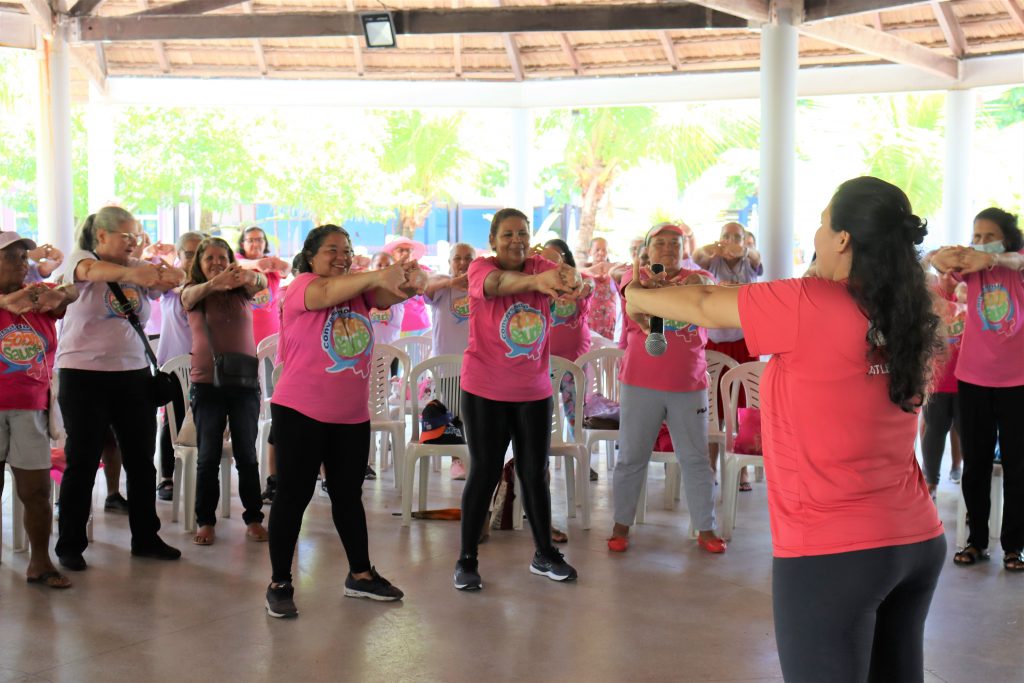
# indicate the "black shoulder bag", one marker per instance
pixel 164 385
pixel 232 370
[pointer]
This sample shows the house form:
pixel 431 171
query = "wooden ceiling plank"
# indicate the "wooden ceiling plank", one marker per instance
pixel 1016 13
pixel 514 57
pixel 670 49
pixel 570 54
pixel 951 28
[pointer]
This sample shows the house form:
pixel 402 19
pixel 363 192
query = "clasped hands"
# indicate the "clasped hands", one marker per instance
pixel 36 297
pixel 645 278
pixel 962 260
pixel 233 277
pixel 403 278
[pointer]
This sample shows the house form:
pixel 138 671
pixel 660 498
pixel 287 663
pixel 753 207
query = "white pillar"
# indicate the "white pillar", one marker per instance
pixel 777 195
pixel 100 129
pixel 519 171
pixel 54 197
pixel 956 188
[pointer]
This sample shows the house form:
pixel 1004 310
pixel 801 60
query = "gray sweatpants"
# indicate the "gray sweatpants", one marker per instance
pixel 686 413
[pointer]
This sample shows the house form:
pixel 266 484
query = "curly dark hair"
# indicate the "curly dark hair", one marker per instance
pixel 1013 240
pixel 195 274
pixel 253 228
pixel 887 281
pixel 303 261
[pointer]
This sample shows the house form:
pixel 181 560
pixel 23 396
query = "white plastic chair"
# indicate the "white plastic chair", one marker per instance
pixel 446 371
pixel 601 370
pixel 747 375
pixel 575 452
pixel 995 515
pixel 183 489
pixel 387 408
pixel 266 355
pixel 17 515
pixel 263 431
pixel 718 364
pixel 598 341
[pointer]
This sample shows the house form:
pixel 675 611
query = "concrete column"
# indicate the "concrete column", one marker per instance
pixel 55 204
pixel 519 171
pixel 956 188
pixel 100 128
pixel 777 195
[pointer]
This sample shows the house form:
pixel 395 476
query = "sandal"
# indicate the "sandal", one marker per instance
pixel 970 555
pixel 559 536
pixel 50 579
pixel 1014 562
pixel 745 487
pixel 257 533
pixel 165 491
pixel 202 538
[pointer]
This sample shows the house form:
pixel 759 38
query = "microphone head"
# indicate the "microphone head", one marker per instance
pixel 656 344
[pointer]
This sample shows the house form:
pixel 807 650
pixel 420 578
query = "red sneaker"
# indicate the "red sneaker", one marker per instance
pixel 618 544
pixel 715 545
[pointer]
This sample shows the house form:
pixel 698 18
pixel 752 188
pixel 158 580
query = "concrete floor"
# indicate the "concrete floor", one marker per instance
pixel 664 611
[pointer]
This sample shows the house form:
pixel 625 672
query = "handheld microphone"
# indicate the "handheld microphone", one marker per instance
pixel 656 343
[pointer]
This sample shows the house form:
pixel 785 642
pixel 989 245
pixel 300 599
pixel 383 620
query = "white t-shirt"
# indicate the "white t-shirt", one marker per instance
pixel 450 308
pixel 96 334
pixel 387 323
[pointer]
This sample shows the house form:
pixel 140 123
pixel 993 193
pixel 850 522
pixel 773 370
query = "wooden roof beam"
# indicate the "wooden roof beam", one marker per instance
pixel 17 30
pixel 92 63
pixel 951 28
pixel 570 54
pixel 1016 13
pixel 257 44
pixel 514 57
pixel 158 47
pixel 187 7
pixel 757 11
pixel 41 13
pixel 670 49
pixel 466 20
pixel 85 7
pixel 882 45
pixel 817 10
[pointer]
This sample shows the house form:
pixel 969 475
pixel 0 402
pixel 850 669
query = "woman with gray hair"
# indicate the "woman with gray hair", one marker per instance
pixel 105 381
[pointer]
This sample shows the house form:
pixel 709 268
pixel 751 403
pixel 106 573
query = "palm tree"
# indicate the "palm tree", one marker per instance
pixel 423 155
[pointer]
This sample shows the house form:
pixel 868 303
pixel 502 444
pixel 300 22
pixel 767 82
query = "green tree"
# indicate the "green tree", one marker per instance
pixel 602 144
pixel 1003 111
pixel 696 144
pixel 17 136
pixel 422 156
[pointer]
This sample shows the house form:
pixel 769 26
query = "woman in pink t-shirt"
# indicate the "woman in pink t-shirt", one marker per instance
pixel 857 542
pixel 506 388
pixel 254 254
pixel 990 374
pixel 670 389
pixel 319 408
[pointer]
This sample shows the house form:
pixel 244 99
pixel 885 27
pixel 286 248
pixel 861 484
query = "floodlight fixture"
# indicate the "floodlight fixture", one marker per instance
pixel 379 29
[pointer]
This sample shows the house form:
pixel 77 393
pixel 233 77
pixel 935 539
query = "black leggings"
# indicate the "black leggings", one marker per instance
pixel 856 616
pixel 941 412
pixel 984 413
pixel 302 444
pixel 92 403
pixel 490 425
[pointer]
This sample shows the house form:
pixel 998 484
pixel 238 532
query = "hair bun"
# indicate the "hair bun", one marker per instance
pixel 915 228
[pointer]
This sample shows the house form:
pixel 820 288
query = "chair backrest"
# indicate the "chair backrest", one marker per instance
pixel 559 368
pixel 446 373
pixel 747 375
pixel 180 367
pixel 417 347
pixel 381 399
pixel 601 370
pixel 598 341
pixel 266 352
pixel 266 342
pixel 718 363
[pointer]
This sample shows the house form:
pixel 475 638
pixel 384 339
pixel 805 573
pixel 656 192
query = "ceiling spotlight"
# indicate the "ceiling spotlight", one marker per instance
pixel 379 29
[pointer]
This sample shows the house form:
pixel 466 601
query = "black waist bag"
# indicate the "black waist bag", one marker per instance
pixel 233 370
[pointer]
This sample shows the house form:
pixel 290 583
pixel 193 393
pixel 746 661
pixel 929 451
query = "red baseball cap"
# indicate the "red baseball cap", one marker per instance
pixel 660 228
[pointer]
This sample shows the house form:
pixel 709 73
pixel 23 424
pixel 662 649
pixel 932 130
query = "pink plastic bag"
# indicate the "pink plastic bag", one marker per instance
pixel 748 434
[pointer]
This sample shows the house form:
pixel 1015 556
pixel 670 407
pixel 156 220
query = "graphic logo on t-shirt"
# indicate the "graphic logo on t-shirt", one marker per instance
pixel 262 299
pixel 114 306
pixel 522 329
pixel 995 309
pixel 22 350
pixel 682 329
pixel 347 338
pixel 460 308
pixel 563 312
pixel 955 326
pixel 380 316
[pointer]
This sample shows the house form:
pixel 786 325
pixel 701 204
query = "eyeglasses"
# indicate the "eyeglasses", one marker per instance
pixel 129 237
pixel 254 240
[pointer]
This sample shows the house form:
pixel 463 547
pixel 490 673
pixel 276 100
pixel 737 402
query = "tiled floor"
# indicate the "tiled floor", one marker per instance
pixel 664 611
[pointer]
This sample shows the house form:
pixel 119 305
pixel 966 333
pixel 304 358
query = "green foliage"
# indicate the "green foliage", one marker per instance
pixel 1003 111
pixel 17 136
pixel 696 144
pixel 493 176
pixel 166 155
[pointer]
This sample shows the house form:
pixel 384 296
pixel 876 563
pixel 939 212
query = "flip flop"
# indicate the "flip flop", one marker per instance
pixel 260 536
pixel 203 540
pixel 745 487
pixel 51 579
pixel 559 536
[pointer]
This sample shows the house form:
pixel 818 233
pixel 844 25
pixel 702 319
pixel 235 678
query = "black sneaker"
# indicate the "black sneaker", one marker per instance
pixel 165 491
pixel 552 564
pixel 377 588
pixel 370 474
pixel 75 563
pixel 467 578
pixel 156 550
pixel 116 503
pixel 268 493
pixel 280 603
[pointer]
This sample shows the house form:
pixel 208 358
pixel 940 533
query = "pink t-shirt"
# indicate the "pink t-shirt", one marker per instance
pixel 570 329
pixel 509 338
pixel 681 368
pixel 265 320
pixel 839 455
pixel 992 352
pixel 27 347
pixel 954 319
pixel 416 318
pixel 327 356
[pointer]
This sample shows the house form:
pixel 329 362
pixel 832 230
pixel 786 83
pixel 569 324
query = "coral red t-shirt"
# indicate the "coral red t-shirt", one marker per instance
pixel 993 343
pixel 27 345
pixel 570 327
pixel 509 338
pixel 265 320
pixel 327 356
pixel 839 455
pixel 952 329
pixel 681 368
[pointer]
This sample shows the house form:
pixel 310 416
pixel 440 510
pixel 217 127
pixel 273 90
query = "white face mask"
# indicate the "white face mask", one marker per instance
pixel 996 247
